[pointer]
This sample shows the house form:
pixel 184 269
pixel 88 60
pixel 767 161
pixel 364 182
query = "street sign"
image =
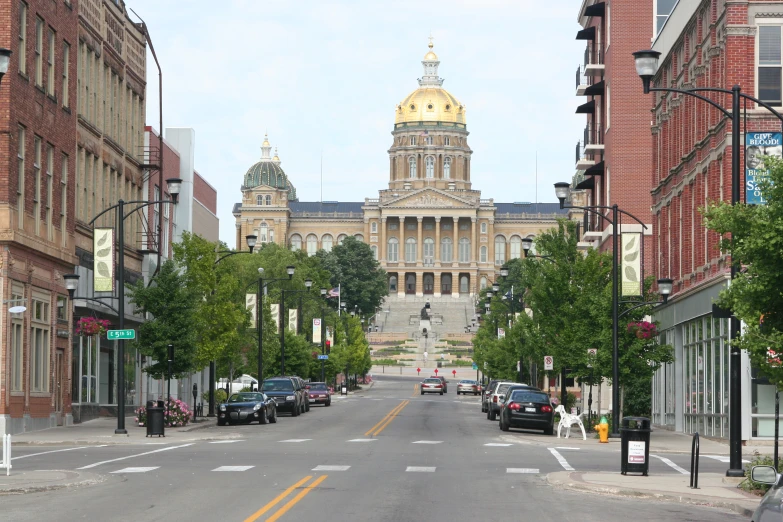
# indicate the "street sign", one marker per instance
pixel 121 334
pixel 475 366
pixel 323 357
pixel 549 362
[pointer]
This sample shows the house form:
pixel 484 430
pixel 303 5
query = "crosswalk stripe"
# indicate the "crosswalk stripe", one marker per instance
pixel 420 469
pixel 672 465
pixel 233 468
pixel 331 468
pixel 497 444
pixel 563 462
pixel 136 470
pixel 362 440
pixel 89 466
pixel 521 470
pixel 427 442
pixel 225 441
pixel 295 440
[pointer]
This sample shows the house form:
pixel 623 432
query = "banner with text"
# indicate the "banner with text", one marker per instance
pixel 317 331
pixel 293 319
pixel 250 304
pixel 758 145
pixel 274 310
pixel 103 260
pixel 631 248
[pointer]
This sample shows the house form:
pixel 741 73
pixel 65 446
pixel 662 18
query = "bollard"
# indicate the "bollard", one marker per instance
pixel 603 430
pixel 5 461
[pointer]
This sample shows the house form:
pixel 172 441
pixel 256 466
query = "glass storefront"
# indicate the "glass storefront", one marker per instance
pixel 664 385
pixel 95 372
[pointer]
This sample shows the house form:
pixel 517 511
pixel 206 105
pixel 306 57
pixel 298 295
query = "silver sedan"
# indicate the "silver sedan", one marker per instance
pixel 466 386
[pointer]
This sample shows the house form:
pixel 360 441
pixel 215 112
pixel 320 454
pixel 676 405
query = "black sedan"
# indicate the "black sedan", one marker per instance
pixel 527 409
pixel 247 407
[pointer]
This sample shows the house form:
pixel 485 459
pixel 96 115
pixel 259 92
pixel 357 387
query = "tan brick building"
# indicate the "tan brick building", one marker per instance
pixel 431 231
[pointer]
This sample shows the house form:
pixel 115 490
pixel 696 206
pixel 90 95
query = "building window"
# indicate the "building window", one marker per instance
pixel 359 237
pixel 341 238
pixel 463 284
pixel 428 140
pixel 374 227
pixel 429 251
pixel 410 226
pixel 412 140
pixel 429 226
pixel 464 226
pixel 446 251
pixel 268 199
pixel 62 308
pixel 446 226
pixel 769 65
pixel 446 141
pixel 37 179
pixel 262 233
pixel 49 187
pixel 312 245
pixel 516 247
pixel 392 255
pixel 50 65
pixel 374 250
pixel 259 200
pixel 464 250
pixel 500 250
pixel 412 167
pixel 22 38
pixel 663 8
pixel 447 168
pixel 393 226
pixel 66 73
pixel 483 228
pixel 39 346
pixel 20 156
pixel 410 250
pixel 326 242
pixel 392 284
pixel 39 24
pixel 17 341
pixel 429 163
pixel 483 254
pixel 296 242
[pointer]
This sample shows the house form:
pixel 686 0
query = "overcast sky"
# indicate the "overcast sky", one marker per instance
pixel 324 77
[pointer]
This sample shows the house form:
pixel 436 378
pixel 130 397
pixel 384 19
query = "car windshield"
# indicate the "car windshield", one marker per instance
pixel 502 388
pixel 246 397
pixel 529 396
pixel 318 386
pixel 467 382
pixel 281 385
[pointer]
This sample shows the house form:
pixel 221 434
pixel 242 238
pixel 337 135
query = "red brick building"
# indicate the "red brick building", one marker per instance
pixel 37 168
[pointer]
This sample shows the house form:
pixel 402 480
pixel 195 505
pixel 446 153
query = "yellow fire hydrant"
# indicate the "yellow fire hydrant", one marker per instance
pixel 603 430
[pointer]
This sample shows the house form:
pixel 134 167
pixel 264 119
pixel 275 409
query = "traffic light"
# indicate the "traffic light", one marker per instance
pixel 328 346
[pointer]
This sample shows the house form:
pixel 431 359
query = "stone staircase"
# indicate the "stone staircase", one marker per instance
pixel 447 315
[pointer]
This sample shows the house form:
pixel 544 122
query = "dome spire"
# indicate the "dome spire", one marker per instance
pixel 266 148
pixel 430 63
pixel 276 159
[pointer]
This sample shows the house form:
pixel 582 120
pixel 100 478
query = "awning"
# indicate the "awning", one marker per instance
pixel 586 34
pixel 597 89
pixel 596 9
pixel 586 108
pixel 587 183
pixel 596 170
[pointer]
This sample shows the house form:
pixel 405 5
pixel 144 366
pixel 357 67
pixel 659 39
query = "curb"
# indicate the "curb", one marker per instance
pixel 92 480
pixel 575 485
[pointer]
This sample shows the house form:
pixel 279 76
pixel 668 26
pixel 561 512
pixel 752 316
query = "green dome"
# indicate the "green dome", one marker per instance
pixel 269 173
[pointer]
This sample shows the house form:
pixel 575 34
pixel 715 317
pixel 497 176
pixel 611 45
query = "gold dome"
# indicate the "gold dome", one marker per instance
pixel 430 104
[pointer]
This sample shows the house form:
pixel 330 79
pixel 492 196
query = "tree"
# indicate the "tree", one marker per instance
pixel 169 305
pixel 753 236
pixel 352 266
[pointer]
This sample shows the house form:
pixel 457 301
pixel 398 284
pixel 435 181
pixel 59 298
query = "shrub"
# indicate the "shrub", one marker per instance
pixel 220 396
pixel 385 362
pixel 175 413
pixel 756 487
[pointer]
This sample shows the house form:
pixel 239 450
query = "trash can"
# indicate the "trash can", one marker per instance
pixel 155 424
pixel 440 364
pixel 635 445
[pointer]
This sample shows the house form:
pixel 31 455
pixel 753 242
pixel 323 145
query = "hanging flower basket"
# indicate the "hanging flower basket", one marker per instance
pixel 89 326
pixel 643 329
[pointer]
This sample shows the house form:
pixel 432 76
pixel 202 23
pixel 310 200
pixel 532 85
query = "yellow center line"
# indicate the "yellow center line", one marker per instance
pixel 415 390
pixel 383 419
pixel 391 418
pixel 277 499
pixel 282 511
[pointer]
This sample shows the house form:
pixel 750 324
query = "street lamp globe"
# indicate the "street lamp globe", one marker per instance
pixel 561 191
pixel 504 271
pixel 665 286
pixel 290 271
pixel 71 283
pixel 260 269
pixel 323 292
pixel 495 287
pixel 646 66
pixel 308 283
pixel 527 244
pixel 5 59
pixel 251 241
pixel 173 185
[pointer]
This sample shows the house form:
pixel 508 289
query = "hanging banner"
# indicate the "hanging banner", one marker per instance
pixel 250 304
pixel 529 312
pixel 631 248
pixel 758 145
pixel 275 312
pixel 317 330
pixel 293 320
pixel 103 259
pixel 501 333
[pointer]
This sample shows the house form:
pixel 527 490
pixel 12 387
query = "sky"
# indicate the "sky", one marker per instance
pixel 323 79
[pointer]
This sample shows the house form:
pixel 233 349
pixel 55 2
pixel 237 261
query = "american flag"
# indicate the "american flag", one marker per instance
pixel 334 292
pixel 424 133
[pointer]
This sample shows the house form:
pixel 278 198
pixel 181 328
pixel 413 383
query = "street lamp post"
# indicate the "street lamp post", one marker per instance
pixel 646 67
pixel 173 187
pixel 262 284
pixel 323 335
pixel 308 283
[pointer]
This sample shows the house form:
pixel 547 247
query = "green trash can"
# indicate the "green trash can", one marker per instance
pixel 635 445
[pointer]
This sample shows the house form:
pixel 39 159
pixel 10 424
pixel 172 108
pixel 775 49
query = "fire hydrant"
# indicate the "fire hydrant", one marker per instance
pixel 603 430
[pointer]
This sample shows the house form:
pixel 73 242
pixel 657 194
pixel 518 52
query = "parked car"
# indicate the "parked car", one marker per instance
pixel 431 385
pixel 488 389
pixel 247 407
pixel 443 381
pixel 467 386
pixel 301 389
pixel 496 399
pixel 284 392
pixel 319 393
pixel 529 409
pixel 770 506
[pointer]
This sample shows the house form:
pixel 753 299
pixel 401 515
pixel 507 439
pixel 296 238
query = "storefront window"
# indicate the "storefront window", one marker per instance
pixel 705 366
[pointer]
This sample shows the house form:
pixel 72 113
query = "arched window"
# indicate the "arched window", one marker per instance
pixel 412 167
pixel 259 200
pixel 359 237
pixel 446 251
pixel 312 245
pixel 429 251
pixel 392 284
pixel 484 228
pixel 464 250
pixel 500 250
pixel 463 284
pixel 392 252
pixel 446 141
pixel 483 283
pixel 374 227
pixel 446 168
pixel 326 242
pixel 483 254
pixel 429 163
pixel 410 250
pixel 340 239
pixel 262 233
pixel 296 242
pixel 374 250
pixel 516 247
pixel 268 199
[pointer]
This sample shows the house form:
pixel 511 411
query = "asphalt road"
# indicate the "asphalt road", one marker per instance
pixel 388 454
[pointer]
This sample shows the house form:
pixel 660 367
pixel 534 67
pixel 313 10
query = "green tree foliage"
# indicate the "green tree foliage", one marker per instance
pixel 362 280
pixel 753 236
pixel 169 305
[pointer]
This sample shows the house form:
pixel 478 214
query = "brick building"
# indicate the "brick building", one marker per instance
pixel 37 219
pixel 706 43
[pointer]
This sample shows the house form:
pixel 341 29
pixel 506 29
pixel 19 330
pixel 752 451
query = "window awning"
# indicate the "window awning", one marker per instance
pixel 586 34
pixel 586 108
pixel 597 89
pixel 596 170
pixel 596 9
pixel 587 183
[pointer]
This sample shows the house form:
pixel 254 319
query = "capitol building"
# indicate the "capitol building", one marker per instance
pixel 430 229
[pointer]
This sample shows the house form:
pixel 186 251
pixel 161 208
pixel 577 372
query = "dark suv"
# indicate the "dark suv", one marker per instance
pixel 286 392
pixel 301 389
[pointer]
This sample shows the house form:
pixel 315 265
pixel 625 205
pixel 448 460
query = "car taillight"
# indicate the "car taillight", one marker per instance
pixel 514 406
pixel 546 409
pixel 438 386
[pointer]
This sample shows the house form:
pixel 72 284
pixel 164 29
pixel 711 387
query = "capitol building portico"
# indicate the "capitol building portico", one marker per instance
pixel 430 231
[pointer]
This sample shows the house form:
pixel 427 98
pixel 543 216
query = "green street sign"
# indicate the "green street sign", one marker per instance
pixel 113 335
pixel 475 367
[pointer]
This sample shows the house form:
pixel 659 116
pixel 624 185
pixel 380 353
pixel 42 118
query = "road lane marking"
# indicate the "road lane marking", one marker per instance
pixel 294 440
pixel 672 465
pixel 47 452
pixel 427 442
pixel 362 440
pixel 415 390
pixel 722 458
pixel 371 430
pixel 225 441
pixel 391 418
pixel 563 462
pixel 420 469
pixel 272 503
pixel 136 470
pixel 233 468
pixel 497 444
pixel 331 468
pixel 136 455
pixel 521 470
pixel 307 489
pixel 565 448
